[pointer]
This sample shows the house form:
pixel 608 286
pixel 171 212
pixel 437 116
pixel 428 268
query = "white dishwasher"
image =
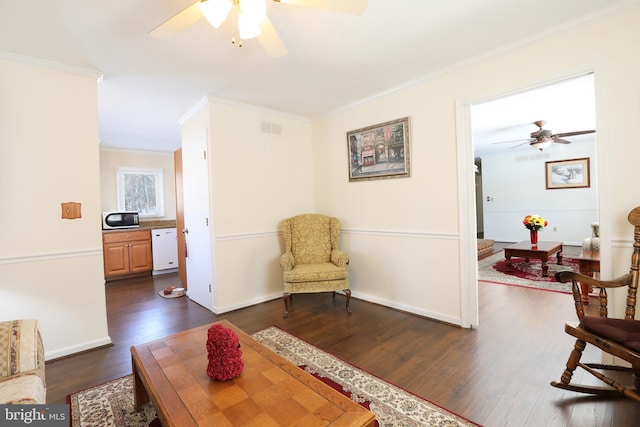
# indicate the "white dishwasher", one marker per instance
pixel 164 245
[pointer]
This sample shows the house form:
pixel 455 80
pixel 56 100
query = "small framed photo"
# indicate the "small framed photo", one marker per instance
pixel 573 173
pixel 379 151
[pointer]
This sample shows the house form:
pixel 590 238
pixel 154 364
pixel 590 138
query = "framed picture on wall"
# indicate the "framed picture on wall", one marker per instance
pixel 379 151
pixel 573 173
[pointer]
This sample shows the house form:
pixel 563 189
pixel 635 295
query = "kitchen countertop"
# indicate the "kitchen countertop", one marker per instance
pixel 146 225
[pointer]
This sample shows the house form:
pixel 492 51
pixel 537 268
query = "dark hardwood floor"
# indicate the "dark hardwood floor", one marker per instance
pixel 497 374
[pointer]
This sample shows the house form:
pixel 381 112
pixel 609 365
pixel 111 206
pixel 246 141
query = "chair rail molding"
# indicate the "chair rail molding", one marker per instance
pixel 402 233
pixel 48 256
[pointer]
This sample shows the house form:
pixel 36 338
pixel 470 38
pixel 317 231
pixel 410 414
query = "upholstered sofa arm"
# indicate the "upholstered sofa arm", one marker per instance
pixel 339 258
pixel 287 261
pixel 22 369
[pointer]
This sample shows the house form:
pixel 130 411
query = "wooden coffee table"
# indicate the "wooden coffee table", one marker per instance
pixel 542 251
pixel 271 391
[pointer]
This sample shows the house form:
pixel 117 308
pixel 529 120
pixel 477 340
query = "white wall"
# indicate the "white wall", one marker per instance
pixel 514 182
pixel 256 180
pixel 112 159
pixel 403 234
pixel 50 268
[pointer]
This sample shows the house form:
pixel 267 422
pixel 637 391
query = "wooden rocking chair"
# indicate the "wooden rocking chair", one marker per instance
pixel 617 337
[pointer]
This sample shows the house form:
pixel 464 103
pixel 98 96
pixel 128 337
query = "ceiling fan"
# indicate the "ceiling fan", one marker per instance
pixel 250 17
pixel 543 138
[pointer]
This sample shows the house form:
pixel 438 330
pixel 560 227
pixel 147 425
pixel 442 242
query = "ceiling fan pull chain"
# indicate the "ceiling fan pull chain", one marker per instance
pixel 234 23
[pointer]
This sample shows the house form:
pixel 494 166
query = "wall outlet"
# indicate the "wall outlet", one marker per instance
pixel 555 228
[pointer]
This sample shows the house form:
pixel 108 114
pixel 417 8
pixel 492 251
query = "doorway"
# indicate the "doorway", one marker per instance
pixel 515 173
pixel 495 132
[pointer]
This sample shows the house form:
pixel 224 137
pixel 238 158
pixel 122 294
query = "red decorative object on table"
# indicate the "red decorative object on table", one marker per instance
pixel 534 237
pixel 225 356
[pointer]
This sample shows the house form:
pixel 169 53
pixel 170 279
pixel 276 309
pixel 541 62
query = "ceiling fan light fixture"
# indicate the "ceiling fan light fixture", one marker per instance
pixel 216 11
pixel 248 26
pixel 542 144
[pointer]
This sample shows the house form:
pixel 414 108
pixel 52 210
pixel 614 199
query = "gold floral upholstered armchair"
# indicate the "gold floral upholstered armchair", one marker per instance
pixel 312 261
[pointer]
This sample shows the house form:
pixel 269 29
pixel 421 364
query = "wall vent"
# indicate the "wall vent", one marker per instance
pixel 532 157
pixel 273 128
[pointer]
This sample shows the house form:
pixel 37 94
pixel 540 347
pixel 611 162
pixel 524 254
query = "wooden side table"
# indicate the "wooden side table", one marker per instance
pixel 588 263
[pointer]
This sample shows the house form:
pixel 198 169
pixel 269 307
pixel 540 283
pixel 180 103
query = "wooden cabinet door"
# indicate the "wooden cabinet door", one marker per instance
pixel 116 258
pixel 127 252
pixel 140 256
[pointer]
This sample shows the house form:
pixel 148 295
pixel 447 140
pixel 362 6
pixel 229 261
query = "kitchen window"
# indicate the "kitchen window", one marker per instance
pixel 141 190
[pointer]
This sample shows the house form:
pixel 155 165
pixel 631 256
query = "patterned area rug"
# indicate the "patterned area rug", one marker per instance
pixel 111 404
pixel 391 405
pixel 528 274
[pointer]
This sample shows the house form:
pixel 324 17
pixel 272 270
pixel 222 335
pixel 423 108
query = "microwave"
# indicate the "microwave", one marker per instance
pixel 112 220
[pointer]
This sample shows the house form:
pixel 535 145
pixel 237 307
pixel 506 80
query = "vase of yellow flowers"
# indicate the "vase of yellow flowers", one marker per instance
pixel 534 223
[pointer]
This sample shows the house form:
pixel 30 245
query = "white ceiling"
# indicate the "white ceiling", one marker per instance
pixel 334 59
pixel 566 106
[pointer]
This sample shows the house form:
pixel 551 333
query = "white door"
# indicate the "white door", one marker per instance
pixel 195 175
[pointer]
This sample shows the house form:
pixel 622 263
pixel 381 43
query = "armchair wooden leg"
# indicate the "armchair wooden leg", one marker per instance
pixel 348 293
pixel 287 303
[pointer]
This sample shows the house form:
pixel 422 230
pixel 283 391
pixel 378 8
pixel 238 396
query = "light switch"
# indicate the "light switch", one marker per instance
pixel 71 210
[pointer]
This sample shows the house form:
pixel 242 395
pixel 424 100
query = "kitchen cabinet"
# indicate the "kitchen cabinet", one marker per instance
pixel 126 252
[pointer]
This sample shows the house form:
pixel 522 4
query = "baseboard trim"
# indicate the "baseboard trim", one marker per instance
pixel 245 304
pixel 79 348
pixel 408 308
pixel 357 295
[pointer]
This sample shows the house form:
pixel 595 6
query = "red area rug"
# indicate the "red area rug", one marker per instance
pixel 532 270
pixel 527 274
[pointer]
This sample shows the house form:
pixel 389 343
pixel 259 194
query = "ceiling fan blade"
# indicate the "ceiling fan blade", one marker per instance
pixel 270 41
pixel 512 140
pixel 178 22
pixel 561 141
pixel 355 7
pixel 516 146
pixel 580 132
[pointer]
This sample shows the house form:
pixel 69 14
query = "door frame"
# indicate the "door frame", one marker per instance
pixel 182 259
pixel 468 247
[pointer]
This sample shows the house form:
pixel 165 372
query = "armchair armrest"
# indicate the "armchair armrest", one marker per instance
pixel 577 278
pixel 566 276
pixel 287 261
pixel 339 258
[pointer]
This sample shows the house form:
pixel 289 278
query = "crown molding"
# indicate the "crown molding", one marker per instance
pixel 43 63
pixel 602 13
pixel 115 148
pixel 208 100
